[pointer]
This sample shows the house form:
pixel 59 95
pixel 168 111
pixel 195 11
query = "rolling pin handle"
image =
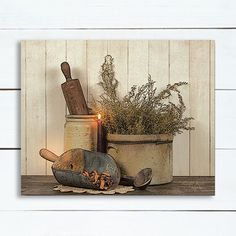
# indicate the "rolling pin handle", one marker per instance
pixel 65 68
pixel 48 155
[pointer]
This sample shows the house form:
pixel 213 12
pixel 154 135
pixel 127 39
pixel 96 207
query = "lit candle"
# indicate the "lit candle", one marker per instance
pixel 100 142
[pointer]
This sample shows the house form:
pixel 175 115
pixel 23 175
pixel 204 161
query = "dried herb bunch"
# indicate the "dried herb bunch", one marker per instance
pixel 142 110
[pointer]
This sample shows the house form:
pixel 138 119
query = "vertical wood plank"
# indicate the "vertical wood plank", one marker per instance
pixel 199 100
pixel 23 110
pixel 35 106
pixel 137 62
pixel 76 57
pixel 159 62
pixel 179 71
pixel 55 102
pixel 119 51
pixel 96 51
pixel 212 108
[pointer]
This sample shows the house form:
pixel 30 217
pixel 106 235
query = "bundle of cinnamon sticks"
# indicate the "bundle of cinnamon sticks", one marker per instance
pixel 103 180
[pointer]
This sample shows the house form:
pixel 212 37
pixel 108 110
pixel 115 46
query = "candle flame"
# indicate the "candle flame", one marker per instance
pixel 99 116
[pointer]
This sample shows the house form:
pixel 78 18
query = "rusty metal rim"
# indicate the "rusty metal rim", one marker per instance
pixel 140 142
pixel 76 117
pixel 67 171
pixel 149 138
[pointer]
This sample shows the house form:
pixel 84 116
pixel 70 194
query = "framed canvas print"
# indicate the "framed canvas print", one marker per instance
pixel 111 117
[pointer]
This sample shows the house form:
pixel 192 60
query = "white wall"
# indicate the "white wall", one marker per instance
pixel 33 215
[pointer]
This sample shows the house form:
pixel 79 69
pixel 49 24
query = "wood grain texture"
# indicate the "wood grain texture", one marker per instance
pixel 137 63
pixel 179 71
pixel 191 186
pixel 35 106
pixel 76 56
pixel 119 51
pixel 96 52
pixel 55 102
pixel 199 100
pixel 212 108
pixel 158 66
pixel 23 107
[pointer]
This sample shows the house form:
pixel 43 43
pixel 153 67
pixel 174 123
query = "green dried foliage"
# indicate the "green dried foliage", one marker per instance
pixel 143 110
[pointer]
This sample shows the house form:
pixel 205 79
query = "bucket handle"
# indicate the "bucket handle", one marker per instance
pixel 142 142
pixel 111 147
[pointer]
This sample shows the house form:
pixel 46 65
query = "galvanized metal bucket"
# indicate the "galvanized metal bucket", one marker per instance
pixel 136 152
pixel 80 131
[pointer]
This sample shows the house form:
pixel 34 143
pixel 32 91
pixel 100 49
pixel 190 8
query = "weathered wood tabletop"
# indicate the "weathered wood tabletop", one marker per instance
pixel 181 185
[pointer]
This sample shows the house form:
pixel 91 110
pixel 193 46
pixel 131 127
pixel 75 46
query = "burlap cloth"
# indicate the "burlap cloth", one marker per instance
pixel 120 189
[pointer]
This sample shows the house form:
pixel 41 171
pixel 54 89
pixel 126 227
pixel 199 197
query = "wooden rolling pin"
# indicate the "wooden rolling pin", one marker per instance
pixel 73 93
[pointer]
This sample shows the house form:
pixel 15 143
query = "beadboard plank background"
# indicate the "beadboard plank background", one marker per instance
pixel 199 104
pixel 119 50
pixel 212 110
pixel 179 69
pixel 35 106
pixel 54 123
pixel 167 61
